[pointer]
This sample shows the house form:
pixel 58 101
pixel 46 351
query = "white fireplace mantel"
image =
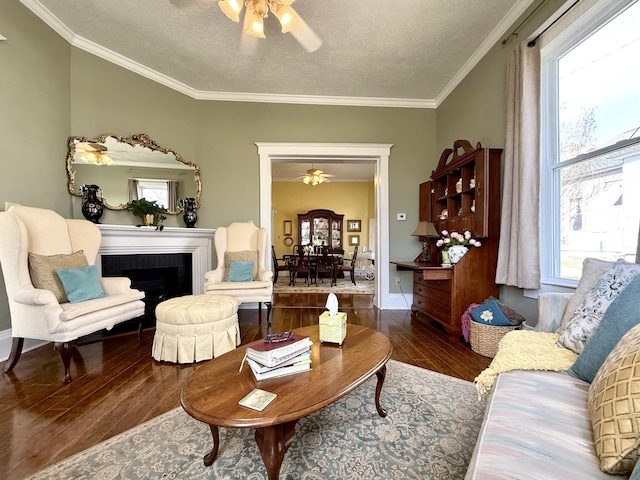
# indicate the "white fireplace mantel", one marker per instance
pixel 128 240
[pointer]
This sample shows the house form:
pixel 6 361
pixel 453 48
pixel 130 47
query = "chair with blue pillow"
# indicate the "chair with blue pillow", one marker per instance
pixel 54 290
pixel 241 271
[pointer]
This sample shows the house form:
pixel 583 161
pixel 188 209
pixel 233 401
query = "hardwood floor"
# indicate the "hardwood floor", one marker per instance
pixel 117 385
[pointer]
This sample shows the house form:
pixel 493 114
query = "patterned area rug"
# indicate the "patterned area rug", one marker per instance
pixel 362 286
pixel 429 433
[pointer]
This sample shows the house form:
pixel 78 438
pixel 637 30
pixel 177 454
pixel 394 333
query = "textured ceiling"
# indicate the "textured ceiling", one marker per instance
pixel 374 52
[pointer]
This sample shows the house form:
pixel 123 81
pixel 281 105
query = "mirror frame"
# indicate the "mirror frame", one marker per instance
pixel 140 139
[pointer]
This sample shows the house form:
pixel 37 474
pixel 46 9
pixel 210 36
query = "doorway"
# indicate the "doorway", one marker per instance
pixel 348 153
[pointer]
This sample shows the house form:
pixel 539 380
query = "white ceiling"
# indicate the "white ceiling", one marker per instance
pixel 374 52
pixel 402 53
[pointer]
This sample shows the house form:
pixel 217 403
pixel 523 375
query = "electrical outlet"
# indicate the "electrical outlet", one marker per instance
pixel 401 216
pixel 397 280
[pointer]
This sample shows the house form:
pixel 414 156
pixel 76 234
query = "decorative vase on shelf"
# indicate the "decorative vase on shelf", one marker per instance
pixel 190 216
pixel 456 252
pixel 92 203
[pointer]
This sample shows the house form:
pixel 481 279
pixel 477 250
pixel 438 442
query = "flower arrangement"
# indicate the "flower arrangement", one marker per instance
pixel 449 239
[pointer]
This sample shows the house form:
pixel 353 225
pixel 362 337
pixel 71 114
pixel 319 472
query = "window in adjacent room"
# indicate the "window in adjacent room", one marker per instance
pixel 590 178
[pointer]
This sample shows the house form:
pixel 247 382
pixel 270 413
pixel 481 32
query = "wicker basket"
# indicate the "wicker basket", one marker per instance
pixel 485 338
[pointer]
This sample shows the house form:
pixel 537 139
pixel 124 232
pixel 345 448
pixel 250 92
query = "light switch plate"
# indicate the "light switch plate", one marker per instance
pixel 402 216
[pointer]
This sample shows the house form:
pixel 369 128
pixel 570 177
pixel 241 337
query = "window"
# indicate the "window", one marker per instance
pixel 590 177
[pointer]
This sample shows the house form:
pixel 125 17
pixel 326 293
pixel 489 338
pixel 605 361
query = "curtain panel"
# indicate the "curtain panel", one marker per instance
pixel 519 247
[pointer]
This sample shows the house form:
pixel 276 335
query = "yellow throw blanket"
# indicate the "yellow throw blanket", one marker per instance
pixel 525 350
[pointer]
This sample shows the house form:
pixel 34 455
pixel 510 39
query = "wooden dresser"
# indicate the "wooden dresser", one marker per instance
pixel 442 293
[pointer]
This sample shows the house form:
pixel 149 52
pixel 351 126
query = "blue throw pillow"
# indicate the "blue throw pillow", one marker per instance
pixel 621 316
pixel 489 313
pixel 240 271
pixel 81 284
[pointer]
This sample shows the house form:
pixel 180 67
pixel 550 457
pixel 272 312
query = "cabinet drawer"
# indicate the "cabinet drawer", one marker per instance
pixel 442 285
pixel 432 308
pixel 440 296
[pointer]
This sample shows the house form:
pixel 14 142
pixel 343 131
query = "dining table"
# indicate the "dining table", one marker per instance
pixel 290 259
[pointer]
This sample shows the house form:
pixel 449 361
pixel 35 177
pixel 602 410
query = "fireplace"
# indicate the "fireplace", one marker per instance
pixel 159 276
pixel 164 264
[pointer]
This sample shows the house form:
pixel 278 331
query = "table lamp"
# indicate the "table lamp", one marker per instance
pixel 425 231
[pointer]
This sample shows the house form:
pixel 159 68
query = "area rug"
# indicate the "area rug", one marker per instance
pixel 344 285
pixel 429 433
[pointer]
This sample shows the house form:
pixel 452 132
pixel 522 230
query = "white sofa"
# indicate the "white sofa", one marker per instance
pixel 537 423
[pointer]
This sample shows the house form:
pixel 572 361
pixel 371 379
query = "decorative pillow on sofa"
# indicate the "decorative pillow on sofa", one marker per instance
pixel 614 406
pixel 240 271
pixel 588 315
pixel 489 313
pixel 622 315
pixel 81 284
pixel 42 271
pixel 243 256
pixel 592 270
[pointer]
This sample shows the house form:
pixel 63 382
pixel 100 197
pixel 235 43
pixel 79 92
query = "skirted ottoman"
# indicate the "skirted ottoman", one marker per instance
pixel 194 328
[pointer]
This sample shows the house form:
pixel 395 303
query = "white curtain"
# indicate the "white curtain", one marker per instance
pixel 519 248
pixel 133 189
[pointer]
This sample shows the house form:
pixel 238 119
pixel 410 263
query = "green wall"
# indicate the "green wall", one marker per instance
pixel 53 91
pixel 476 111
pixel 35 116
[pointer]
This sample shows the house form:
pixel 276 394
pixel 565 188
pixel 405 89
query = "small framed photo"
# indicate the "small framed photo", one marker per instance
pixel 287 225
pixel 354 225
pixel 354 240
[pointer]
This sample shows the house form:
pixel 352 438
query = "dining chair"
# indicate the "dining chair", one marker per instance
pixel 351 266
pixel 301 264
pixel 278 267
pixel 325 264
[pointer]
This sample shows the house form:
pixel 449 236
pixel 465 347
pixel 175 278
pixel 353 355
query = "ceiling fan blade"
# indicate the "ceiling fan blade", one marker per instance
pixel 305 36
pixel 248 43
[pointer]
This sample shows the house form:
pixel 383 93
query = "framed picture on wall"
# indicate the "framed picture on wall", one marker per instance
pixel 354 240
pixel 354 225
pixel 288 229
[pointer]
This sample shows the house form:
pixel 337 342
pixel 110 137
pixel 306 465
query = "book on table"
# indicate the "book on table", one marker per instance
pixel 301 363
pixel 257 399
pixel 271 354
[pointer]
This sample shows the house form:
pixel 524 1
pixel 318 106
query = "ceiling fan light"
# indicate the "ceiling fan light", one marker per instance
pixel 286 16
pixel 256 25
pixel 231 8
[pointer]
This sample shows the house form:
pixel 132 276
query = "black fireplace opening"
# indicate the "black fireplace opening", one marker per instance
pixel 160 276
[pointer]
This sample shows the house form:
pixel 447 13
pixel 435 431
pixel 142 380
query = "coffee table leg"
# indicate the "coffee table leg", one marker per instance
pixel 273 442
pixel 381 374
pixel 211 456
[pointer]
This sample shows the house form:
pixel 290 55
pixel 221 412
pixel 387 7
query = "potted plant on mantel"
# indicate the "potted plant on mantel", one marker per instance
pixel 148 211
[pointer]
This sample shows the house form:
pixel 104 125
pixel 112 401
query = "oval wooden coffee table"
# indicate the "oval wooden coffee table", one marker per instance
pixel 212 392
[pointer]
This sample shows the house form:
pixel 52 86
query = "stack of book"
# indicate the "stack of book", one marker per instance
pixel 276 359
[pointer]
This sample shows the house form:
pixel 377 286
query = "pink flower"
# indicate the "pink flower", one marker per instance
pixel 467 235
pixel 445 233
pixel 477 244
pixel 439 243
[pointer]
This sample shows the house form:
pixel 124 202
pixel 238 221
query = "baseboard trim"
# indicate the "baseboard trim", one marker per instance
pixel 5 344
pixel 400 301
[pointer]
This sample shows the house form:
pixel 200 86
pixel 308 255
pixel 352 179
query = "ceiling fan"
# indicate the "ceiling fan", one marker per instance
pixel 93 153
pixel 253 24
pixel 315 177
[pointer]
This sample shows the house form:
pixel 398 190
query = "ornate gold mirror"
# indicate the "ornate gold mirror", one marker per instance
pixel 128 168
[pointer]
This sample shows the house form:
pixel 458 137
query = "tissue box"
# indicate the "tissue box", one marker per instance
pixel 333 329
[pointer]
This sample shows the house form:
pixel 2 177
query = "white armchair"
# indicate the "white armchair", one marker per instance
pixel 36 312
pixel 241 241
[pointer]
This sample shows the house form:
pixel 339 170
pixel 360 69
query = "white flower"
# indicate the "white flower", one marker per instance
pixel 487 316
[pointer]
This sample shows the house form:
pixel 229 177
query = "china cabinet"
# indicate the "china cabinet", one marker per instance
pixel 321 227
pixel 463 194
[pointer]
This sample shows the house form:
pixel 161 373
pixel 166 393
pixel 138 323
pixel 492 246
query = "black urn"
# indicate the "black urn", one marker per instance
pixel 190 216
pixel 92 203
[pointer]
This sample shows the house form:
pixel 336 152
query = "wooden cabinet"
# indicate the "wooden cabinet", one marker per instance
pixel 321 227
pixel 463 194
